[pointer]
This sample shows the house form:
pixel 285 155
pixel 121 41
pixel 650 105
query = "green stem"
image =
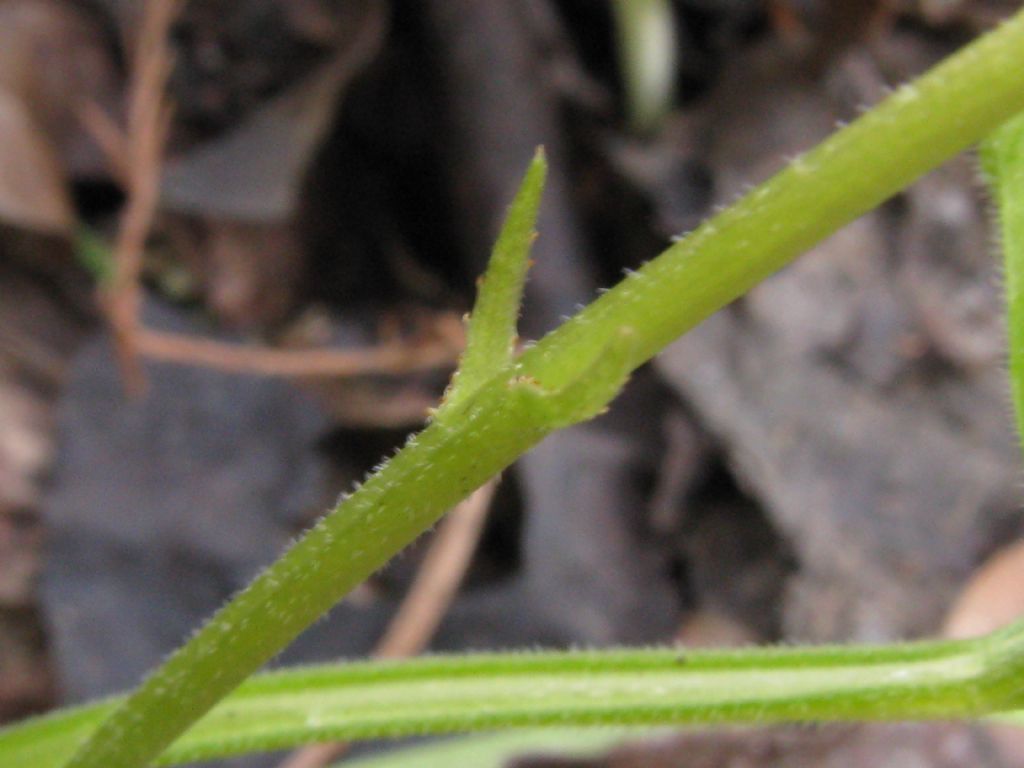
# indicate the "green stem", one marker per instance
pixel 1003 162
pixel 917 128
pixel 649 687
pixel 920 126
pixel 647 59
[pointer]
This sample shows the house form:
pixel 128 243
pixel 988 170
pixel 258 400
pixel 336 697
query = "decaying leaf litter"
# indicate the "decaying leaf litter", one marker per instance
pixel 829 459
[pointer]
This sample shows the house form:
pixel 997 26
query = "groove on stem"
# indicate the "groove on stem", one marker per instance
pixel 929 680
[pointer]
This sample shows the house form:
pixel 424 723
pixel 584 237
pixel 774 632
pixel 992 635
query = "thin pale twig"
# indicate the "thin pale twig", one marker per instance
pixel 109 137
pixel 441 348
pixel 136 156
pixel 438 579
pixel 148 122
pixel 426 603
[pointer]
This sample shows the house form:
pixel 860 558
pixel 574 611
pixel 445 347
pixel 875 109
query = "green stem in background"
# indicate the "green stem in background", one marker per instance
pixel 917 128
pixel 1002 159
pixel 94 255
pixel 648 687
pixel 647 48
pixel 501 749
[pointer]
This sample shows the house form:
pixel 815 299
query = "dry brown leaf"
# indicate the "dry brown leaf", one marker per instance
pixel 993 597
pixel 231 201
pixel 24 444
pixel 248 271
pixel 711 629
pixel 255 171
pixel 53 60
pixel 56 58
pixel 33 191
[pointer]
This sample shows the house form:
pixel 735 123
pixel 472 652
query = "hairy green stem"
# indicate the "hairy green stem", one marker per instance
pixel 921 125
pixel 917 128
pixel 1003 163
pixel 646 687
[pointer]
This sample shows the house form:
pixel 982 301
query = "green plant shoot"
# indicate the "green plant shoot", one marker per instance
pixel 491 333
pixel 567 377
